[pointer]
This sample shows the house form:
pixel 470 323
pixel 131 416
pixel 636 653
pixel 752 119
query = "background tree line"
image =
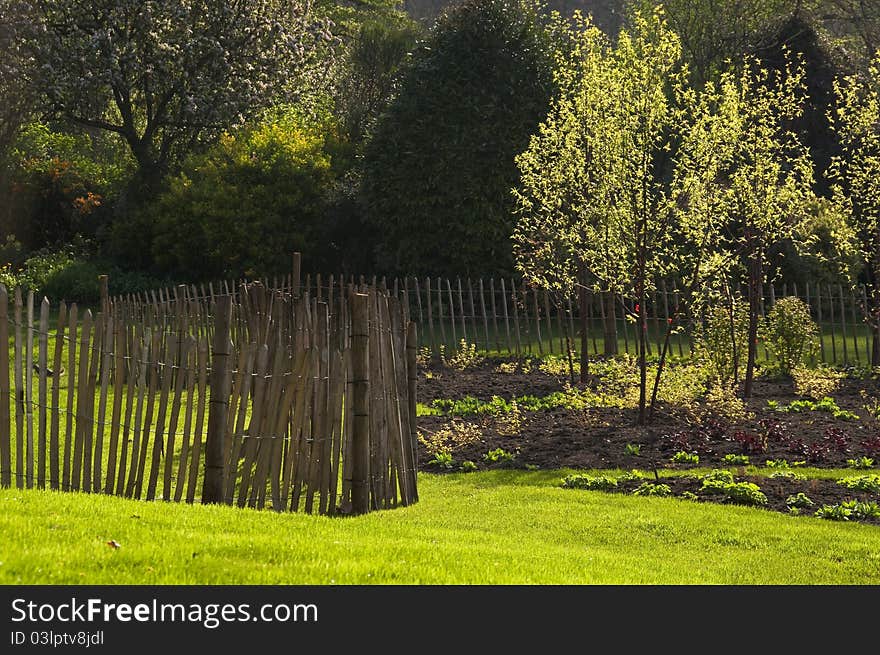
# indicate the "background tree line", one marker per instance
pixel 202 139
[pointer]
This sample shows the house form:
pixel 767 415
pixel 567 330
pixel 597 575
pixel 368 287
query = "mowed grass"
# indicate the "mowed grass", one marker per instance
pixel 499 527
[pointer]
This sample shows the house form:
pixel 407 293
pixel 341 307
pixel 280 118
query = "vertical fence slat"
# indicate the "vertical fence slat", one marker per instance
pixel 42 441
pixel 5 393
pixel 72 378
pixel 29 392
pixel 81 401
pixel 212 490
pixel 54 429
pixel 106 356
pixel 360 372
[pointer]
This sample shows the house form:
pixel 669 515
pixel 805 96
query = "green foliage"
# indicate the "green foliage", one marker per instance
pixel 682 457
pixel 652 489
pixel 439 167
pixel 242 207
pixel 736 460
pixel 785 475
pixel 633 449
pixel 723 340
pixel 790 334
pixel 855 171
pixel 869 483
pixel 591 482
pixel 499 456
pixel 164 75
pixel 860 463
pixel 799 500
pixel 824 405
pixel 463 358
pixel 468 466
pixel 817 382
pixel 849 509
pixel 442 459
pixel 720 483
pixel 776 463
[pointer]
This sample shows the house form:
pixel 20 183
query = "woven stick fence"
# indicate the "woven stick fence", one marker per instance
pixel 259 398
pixel 507 318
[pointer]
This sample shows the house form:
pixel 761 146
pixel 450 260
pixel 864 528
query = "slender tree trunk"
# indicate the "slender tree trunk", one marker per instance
pixel 610 327
pixel 731 314
pixel 643 364
pixel 582 305
pixel 754 310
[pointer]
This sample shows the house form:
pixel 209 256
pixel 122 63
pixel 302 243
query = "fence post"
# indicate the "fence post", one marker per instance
pixel 5 393
pixel 103 282
pixel 297 272
pixel 360 372
pixel 412 384
pixel 214 483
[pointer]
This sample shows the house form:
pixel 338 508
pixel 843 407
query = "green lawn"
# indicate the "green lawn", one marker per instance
pixel 500 527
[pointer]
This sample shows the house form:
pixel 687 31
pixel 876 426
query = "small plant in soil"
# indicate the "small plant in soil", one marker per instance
pixel 799 500
pixel 750 442
pixel 468 466
pixel 736 460
pixel 785 475
pixel 684 457
pixel 510 424
pixel 631 476
pixel 499 456
pixel 633 449
pixel 776 464
pixel 443 460
pixel 590 482
pixel 849 509
pixel 860 463
pixel 464 358
pixel 816 383
pixel 719 484
pixel 689 495
pixel 652 489
pixel 868 483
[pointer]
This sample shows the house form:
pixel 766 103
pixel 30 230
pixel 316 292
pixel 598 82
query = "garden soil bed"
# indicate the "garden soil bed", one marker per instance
pixel 597 437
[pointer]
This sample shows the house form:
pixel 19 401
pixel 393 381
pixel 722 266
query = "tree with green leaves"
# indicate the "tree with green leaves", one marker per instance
pixel 163 75
pixel 594 191
pixel 855 175
pixel 769 177
pixel 438 169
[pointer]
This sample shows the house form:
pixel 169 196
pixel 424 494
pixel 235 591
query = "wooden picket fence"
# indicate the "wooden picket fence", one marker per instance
pixel 268 398
pixel 508 318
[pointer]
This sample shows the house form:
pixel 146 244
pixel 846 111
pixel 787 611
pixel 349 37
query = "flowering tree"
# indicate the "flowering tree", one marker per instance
pixel 164 73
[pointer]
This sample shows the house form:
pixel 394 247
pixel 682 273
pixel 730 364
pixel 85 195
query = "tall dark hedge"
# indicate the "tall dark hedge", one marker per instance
pixel 439 169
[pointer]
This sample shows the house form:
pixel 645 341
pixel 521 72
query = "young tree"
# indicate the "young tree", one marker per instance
pixel 594 181
pixel 769 175
pixel 162 74
pixel 855 175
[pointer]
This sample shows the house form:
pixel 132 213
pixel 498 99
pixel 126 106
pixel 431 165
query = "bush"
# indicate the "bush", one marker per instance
pixel 439 169
pixel 816 383
pixel 721 350
pixel 790 333
pixel 241 208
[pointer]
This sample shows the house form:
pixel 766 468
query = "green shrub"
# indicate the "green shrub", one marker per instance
pixel 869 483
pixel 720 483
pixel 790 334
pixel 440 166
pixel 591 482
pixel 720 350
pixel 849 509
pixel 682 457
pixel 799 500
pixel 499 456
pixel 652 489
pixel 737 460
pixel 242 207
pixel 860 463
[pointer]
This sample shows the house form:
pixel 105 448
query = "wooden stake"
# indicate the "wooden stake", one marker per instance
pixel 212 490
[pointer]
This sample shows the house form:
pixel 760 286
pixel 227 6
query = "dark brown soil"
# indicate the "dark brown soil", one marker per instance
pixel 597 438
